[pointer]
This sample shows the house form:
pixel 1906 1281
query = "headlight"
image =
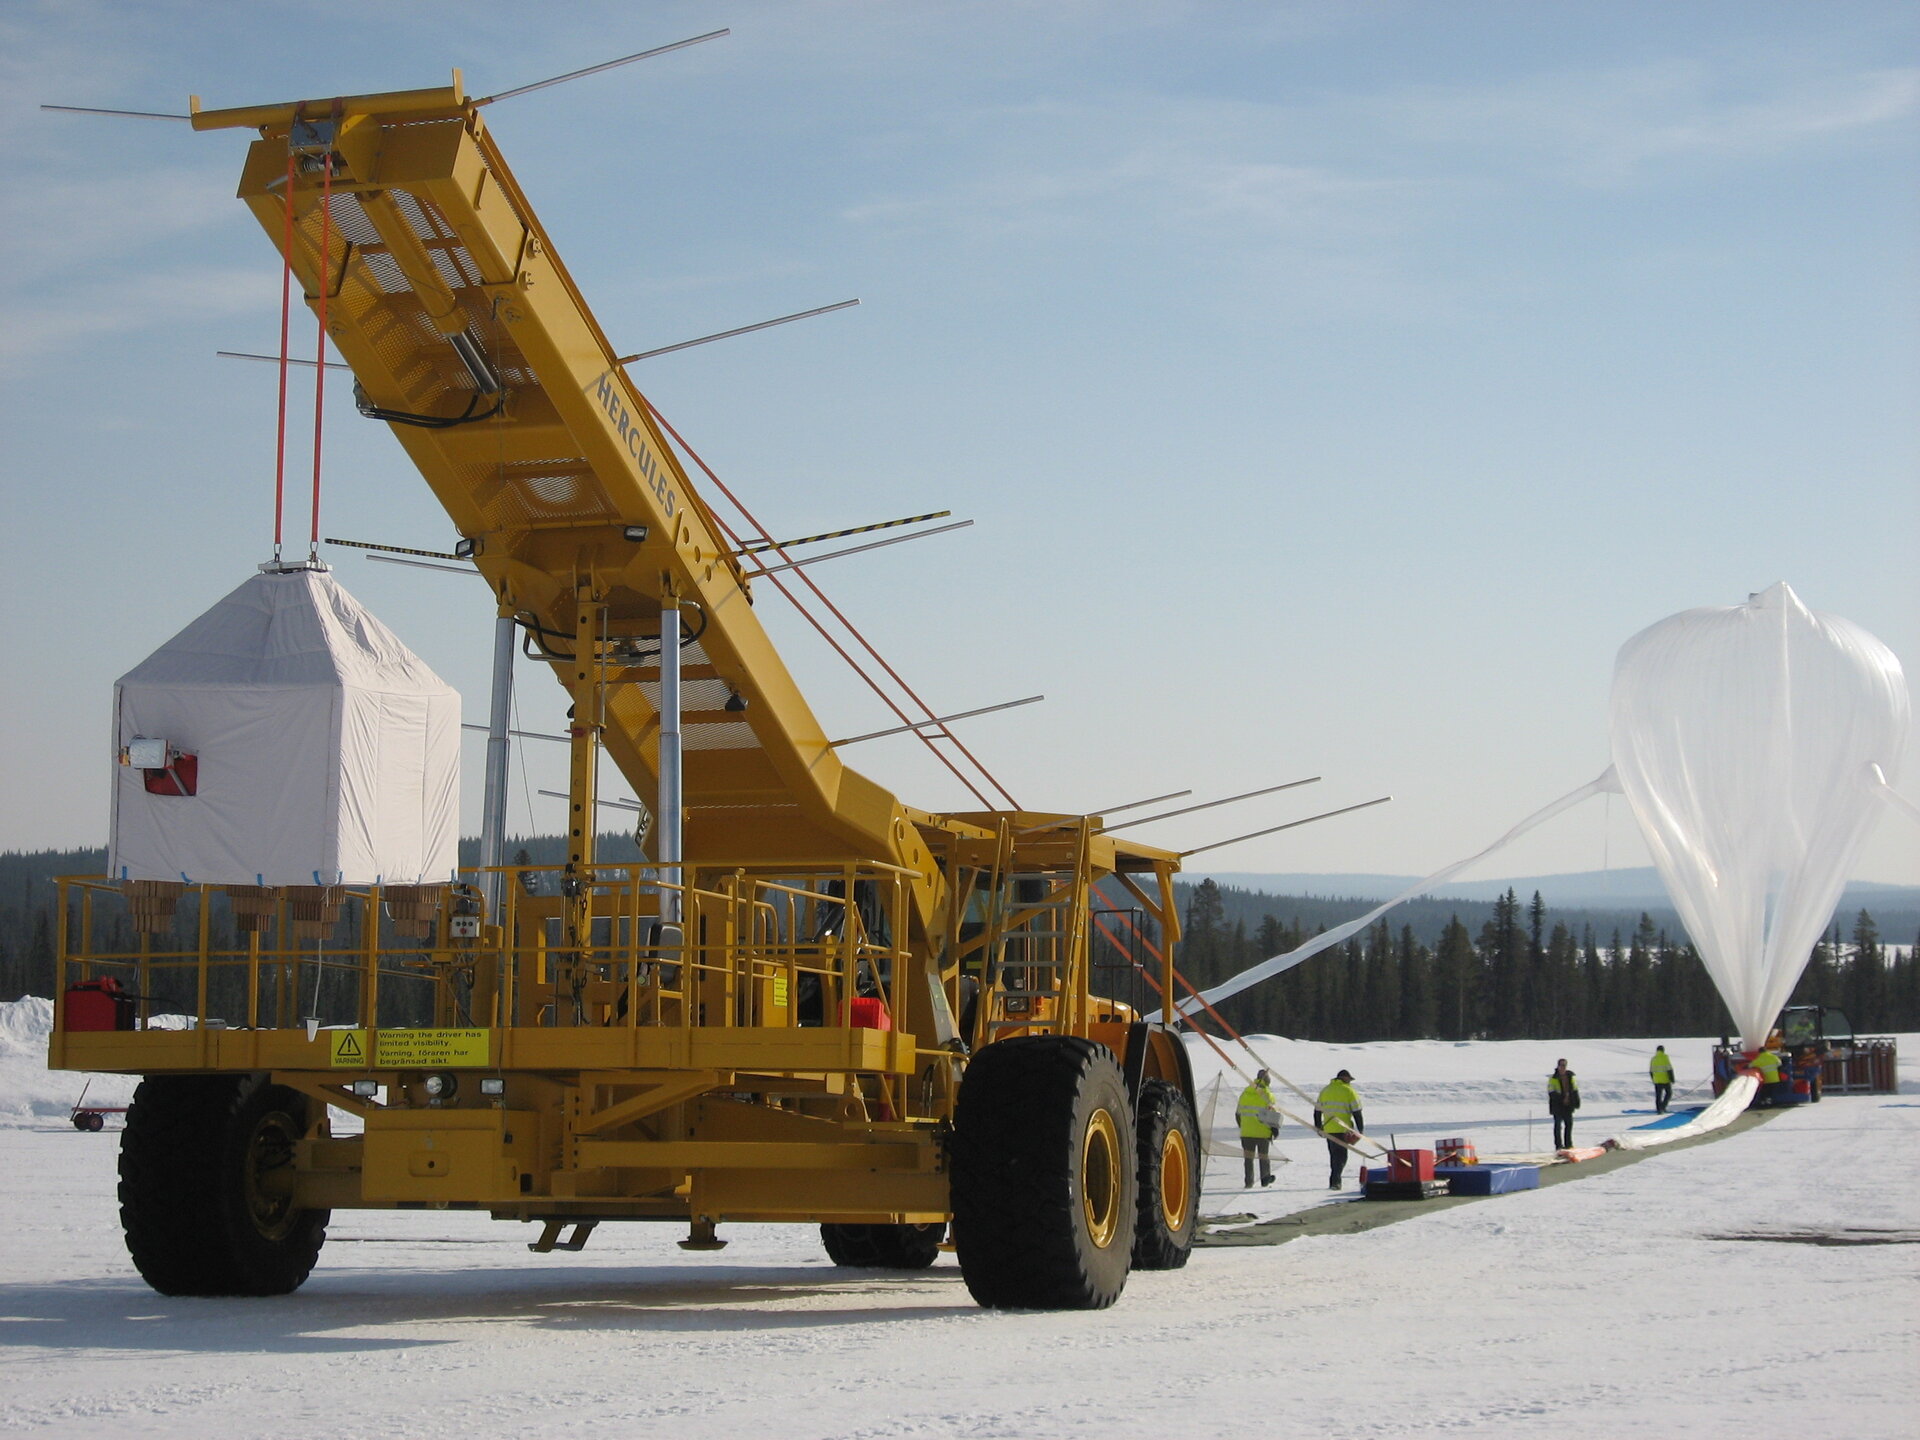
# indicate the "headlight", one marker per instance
pixel 440 1087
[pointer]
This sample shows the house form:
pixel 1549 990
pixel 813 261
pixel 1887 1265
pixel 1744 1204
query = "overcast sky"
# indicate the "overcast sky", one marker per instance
pixel 1336 386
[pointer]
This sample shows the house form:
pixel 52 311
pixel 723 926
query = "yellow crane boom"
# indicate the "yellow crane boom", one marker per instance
pixel 440 279
pixel 825 1006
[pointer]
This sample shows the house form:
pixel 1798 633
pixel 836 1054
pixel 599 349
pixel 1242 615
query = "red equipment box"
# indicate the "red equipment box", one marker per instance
pixel 1405 1165
pixel 99 1005
pixel 868 1013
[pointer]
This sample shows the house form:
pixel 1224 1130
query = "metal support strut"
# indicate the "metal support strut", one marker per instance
pixel 667 849
pixel 493 821
pixel 550 1240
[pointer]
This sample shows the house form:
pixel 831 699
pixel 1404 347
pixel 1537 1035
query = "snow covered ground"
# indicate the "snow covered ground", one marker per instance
pixel 1636 1302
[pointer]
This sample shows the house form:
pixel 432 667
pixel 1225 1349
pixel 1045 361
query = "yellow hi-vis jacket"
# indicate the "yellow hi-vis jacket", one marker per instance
pixel 1767 1062
pixel 1661 1068
pixel 1255 1113
pixel 1336 1106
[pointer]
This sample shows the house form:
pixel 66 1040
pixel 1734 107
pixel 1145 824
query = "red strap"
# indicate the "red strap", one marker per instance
pixel 286 311
pixel 320 352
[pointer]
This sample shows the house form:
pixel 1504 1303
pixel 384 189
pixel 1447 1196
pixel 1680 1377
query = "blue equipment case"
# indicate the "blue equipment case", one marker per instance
pixel 1488 1179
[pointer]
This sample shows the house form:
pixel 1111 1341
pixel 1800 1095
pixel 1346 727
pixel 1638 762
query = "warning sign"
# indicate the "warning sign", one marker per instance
pixel 429 1049
pixel 349 1047
pixel 410 1049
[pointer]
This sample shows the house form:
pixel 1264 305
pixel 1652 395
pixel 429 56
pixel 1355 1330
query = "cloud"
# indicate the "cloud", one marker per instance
pixel 1846 103
pixel 1354 200
pixel 1196 167
pixel 127 303
pixel 1615 126
pixel 58 226
pixel 1342 163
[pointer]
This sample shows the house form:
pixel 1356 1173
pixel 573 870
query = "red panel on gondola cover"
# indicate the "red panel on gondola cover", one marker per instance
pixel 182 777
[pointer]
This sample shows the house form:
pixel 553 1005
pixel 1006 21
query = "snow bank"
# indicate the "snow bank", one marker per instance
pixel 29 1092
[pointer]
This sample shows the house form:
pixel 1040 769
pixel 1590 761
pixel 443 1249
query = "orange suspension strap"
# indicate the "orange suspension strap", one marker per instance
pixel 320 353
pixel 286 312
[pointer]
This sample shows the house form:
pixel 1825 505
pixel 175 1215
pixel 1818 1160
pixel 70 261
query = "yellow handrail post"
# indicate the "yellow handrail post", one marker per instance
pixel 370 961
pixel 146 978
pixel 253 980
pixel 204 928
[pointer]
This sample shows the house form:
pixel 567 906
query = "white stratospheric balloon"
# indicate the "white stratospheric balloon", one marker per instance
pixel 1746 738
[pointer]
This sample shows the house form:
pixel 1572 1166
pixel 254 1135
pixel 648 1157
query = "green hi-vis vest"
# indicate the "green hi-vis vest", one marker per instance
pixel 1661 1068
pixel 1337 1104
pixel 1254 1100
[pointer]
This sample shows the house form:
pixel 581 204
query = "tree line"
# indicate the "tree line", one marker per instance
pixel 1524 975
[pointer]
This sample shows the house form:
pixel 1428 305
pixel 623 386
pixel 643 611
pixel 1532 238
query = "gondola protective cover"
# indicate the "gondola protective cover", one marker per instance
pixel 326 752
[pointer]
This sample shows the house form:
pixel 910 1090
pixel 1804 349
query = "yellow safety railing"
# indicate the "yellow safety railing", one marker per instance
pixel 799 948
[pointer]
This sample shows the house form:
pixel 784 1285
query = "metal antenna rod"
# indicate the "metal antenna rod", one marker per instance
pixel 1136 804
pixel 738 330
pixel 754 547
pixel 604 65
pixel 623 360
pixel 426 565
pixel 485 100
pixel 275 360
pixel 1109 810
pixel 1189 809
pixel 527 735
pixel 128 114
pixel 1290 825
pixel 562 795
pixel 857 549
pixel 938 720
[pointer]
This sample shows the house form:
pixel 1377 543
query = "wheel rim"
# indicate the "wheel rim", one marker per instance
pixel 1100 1178
pixel 267 1178
pixel 1176 1180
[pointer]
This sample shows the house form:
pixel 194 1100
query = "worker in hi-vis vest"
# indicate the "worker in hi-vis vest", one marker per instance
pixel 1336 1115
pixel 1563 1098
pixel 1660 1068
pixel 1767 1062
pixel 1259 1122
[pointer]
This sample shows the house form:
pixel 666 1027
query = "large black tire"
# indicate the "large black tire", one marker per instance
pixel 883 1247
pixel 206 1170
pixel 1042 1175
pixel 1168 1152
